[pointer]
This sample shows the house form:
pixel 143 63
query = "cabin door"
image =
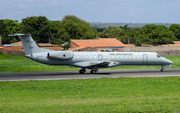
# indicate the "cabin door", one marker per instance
pixel 145 58
pixel 100 57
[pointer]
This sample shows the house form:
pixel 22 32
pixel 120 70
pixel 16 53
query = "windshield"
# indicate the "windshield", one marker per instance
pixel 158 55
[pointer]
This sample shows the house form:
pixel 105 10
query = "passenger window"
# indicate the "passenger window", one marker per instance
pixel 134 56
pixel 86 56
pixel 112 56
pixel 94 56
pixel 108 56
pixel 82 56
pixel 117 56
pixel 138 56
pixel 90 56
pixel 74 57
pixel 129 56
pixel 78 56
pixel 104 56
pixel 125 56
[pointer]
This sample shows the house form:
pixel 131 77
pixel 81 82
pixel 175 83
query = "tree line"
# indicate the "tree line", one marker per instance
pixel 116 24
pixel 72 27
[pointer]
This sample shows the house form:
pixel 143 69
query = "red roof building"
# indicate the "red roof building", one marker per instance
pixel 18 46
pixel 17 43
pixel 176 42
pixel 101 43
pixel 130 45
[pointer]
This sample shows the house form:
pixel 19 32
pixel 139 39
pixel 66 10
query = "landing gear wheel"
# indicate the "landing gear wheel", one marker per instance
pixel 93 71
pixel 82 71
pixel 162 70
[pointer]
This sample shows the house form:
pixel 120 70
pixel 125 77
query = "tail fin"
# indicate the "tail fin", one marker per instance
pixel 29 45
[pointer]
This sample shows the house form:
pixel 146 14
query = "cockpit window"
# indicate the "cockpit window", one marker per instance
pixel 158 56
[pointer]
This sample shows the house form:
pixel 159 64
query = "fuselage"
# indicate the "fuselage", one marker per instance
pixel 87 59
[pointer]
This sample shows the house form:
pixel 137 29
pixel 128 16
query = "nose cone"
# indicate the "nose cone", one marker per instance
pixel 167 62
pixel 170 62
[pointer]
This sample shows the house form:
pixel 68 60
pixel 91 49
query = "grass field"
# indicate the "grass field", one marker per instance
pixel 124 94
pixel 22 64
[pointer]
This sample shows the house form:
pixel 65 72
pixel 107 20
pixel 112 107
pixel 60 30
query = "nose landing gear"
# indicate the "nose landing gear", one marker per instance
pixel 162 68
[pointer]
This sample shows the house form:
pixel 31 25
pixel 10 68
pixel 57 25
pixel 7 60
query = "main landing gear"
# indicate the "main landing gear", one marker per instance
pixel 83 70
pixel 162 68
pixel 93 71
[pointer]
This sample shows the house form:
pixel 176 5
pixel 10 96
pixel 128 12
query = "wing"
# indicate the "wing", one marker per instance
pixel 90 64
pixel 100 64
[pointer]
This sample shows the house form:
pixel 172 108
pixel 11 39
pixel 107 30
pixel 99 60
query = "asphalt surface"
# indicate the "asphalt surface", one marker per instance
pixel 21 76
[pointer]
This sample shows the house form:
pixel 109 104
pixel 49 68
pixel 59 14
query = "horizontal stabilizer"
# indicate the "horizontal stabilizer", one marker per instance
pixel 18 34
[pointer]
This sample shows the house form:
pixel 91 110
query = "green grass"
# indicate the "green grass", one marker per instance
pixel 15 63
pixel 124 94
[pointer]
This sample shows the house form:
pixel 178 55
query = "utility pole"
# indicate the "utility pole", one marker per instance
pixel 0 40
pixel 128 41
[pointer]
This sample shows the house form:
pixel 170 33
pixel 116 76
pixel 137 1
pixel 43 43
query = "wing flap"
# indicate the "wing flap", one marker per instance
pixel 88 64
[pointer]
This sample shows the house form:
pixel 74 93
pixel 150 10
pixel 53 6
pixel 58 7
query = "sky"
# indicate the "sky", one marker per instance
pixel 125 11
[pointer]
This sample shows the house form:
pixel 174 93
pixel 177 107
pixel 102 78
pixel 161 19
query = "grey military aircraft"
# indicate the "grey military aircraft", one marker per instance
pixel 89 60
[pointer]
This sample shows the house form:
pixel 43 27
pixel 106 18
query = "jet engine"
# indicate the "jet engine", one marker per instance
pixel 61 55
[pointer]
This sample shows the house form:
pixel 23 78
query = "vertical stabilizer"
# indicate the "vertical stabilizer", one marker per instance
pixel 29 45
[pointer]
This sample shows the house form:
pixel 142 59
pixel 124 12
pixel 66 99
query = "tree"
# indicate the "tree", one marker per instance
pixel 8 26
pixel 55 26
pixel 3 29
pixel 12 26
pixel 100 29
pixel 39 28
pixel 175 28
pixel 73 27
pixel 66 46
pixel 125 27
pixel 112 32
pixel 154 34
pixel 129 34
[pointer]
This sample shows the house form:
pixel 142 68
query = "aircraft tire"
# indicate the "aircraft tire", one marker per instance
pixel 162 70
pixel 93 71
pixel 81 71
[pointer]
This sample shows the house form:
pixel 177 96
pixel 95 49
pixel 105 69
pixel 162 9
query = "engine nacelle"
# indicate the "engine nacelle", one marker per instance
pixel 61 55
